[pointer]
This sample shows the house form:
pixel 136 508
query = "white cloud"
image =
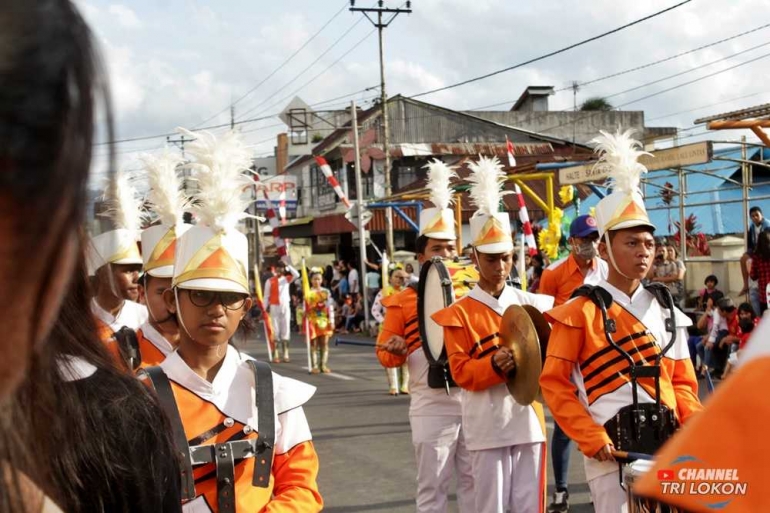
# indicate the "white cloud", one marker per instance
pixel 125 16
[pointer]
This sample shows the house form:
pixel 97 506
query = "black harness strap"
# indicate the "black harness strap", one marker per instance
pixel 167 402
pixel 263 457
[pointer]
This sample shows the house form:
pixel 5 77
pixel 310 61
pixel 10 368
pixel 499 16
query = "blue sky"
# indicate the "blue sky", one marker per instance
pixel 180 62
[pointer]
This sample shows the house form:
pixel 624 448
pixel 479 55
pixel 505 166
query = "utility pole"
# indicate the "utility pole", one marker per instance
pixel 575 88
pixel 232 117
pixel 379 10
pixel 185 171
pixel 360 208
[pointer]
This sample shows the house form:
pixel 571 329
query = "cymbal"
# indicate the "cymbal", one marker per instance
pixel 518 332
pixel 542 327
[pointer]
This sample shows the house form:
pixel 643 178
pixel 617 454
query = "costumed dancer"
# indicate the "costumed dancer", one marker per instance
pixel 159 336
pixel 728 436
pixel 241 429
pixel 279 301
pixel 593 389
pixel 320 322
pixel 434 415
pixel 506 440
pixel 398 377
pixel 114 260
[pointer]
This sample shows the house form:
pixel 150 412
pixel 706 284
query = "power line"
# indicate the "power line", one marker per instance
pixel 551 54
pixel 330 66
pixel 707 106
pixel 287 84
pixel 276 70
pixel 643 66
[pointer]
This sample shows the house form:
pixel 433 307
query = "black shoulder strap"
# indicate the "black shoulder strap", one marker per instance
pixel 263 458
pixel 594 292
pixel 661 293
pixel 129 347
pixel 414 285
pixel 162 387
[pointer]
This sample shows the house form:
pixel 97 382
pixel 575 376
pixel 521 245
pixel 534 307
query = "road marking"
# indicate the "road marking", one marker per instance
pixel 335 375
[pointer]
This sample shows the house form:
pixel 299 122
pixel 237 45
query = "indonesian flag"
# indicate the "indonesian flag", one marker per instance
pixel 511 158
pixel 331 180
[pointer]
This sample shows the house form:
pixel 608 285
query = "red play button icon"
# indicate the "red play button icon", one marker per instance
pixel 665 475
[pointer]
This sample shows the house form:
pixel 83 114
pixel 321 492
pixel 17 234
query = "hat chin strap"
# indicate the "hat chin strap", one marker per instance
pixel 179 314
pixel 612 257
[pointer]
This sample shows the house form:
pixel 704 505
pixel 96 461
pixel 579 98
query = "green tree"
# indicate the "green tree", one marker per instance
pixel 596 103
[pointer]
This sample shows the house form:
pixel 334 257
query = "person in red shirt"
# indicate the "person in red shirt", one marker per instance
pixel 760 268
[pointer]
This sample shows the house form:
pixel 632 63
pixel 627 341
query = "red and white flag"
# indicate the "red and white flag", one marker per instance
pixel 529 237
pixel 330 178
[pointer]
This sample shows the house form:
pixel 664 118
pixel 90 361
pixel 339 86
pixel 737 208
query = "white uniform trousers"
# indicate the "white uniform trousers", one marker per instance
pixel 281 317
pixel 440 451
pixel 607 494
pixel 508 479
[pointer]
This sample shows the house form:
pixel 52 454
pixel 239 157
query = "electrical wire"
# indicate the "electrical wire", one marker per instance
pixel 551 54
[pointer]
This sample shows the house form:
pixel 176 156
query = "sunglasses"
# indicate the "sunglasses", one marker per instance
pixel 229 300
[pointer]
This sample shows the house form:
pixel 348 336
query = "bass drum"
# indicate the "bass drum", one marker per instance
pixel 441 282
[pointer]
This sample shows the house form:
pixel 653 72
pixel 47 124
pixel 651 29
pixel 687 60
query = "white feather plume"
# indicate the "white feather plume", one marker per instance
pixel 166 199
pixel 487 179
pixel 123 204
pixel 439 182
pixel 619 156
pixel 220 164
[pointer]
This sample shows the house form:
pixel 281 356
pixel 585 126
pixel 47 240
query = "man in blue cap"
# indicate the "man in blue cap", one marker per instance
pixel 560 280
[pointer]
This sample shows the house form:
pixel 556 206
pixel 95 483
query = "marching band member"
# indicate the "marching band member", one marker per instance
pixel 586 381
pixel 398 377
pixel 727 435
pixel 279 301
pixel 560 280
pixel 234 413
pixel 114 260
pixel 506 440
pixel 434 415
pixel 159 335
pixel 320 322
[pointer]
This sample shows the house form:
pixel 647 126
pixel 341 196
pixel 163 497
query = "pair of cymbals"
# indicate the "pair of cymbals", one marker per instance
pixel 525 331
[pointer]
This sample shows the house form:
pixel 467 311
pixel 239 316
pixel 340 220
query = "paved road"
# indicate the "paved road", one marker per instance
pixel 362 435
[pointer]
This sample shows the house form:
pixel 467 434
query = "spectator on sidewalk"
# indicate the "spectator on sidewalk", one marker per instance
pixel 354 282
pixel 758 225
pixel 760 268
pixel 711 283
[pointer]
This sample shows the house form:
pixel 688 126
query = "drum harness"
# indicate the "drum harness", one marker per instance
pixel 223 455
pixel 639 428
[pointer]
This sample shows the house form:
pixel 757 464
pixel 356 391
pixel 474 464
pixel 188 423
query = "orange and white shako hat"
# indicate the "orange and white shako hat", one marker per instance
pixel 117 246
pixel 490 228
pixel 167 204
pixel 213 255
pixel 438 222
pixel 624 207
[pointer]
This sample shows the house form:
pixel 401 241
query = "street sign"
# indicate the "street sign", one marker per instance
pixel 352 215
pixel 679 156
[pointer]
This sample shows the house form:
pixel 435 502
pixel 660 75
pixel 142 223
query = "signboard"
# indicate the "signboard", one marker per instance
pixel 328 240
pixel 679 156
pixel 278 188
pixel 264 166
pixel 352 215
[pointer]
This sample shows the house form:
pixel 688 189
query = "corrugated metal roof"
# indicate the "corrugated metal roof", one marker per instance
pixel 758 111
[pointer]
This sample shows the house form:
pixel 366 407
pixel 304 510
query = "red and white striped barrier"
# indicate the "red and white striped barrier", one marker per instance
pixel 529 237
pixel 327 171
pixel 280 244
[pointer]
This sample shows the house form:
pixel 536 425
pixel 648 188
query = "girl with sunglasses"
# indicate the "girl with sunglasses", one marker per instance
pixel 241 430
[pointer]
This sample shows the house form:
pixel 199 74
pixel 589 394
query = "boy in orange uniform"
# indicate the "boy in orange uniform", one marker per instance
pixel 586 381
pixel 159 335
pixel 114 259
pixel 506 440
pixel 728 435
pixel 434 414
pixel 240 429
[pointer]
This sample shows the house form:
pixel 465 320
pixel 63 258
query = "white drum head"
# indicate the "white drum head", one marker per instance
pixel 434 298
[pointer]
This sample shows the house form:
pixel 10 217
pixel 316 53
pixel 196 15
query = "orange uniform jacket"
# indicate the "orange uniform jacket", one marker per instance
pixel 292 486
pixel 153 346
pixel 729 434
pixel 106 335
pixel 562 278
pixel 401 319
pixel 585 381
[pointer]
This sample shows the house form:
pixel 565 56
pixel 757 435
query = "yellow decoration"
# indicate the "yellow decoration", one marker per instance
pixel 592 212
pixel 549 239
pixel 566 194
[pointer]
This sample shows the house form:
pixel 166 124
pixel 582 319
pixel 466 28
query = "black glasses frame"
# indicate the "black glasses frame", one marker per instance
pixel 229 300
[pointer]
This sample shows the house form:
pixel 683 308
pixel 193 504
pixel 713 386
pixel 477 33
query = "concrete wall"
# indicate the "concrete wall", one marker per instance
pixel 586 125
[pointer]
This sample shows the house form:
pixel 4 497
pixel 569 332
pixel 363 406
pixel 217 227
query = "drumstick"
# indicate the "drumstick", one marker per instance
pixel 625 455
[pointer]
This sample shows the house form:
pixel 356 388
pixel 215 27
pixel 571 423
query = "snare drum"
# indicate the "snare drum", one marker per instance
pixel 632 473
